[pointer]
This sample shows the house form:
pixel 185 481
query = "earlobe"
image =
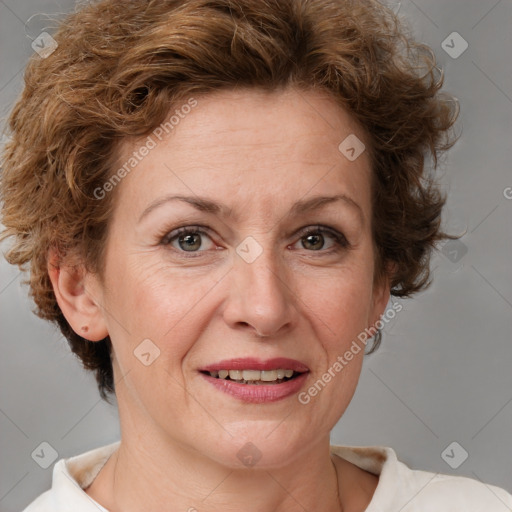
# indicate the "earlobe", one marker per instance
pixel 78 303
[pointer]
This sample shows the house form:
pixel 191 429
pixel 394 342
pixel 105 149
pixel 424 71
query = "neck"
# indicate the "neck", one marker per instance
pixel 150 476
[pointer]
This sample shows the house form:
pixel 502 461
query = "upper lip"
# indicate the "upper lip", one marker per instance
pixel 251 363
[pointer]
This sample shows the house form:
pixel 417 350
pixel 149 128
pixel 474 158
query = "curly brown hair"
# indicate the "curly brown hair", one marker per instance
pixel 119 68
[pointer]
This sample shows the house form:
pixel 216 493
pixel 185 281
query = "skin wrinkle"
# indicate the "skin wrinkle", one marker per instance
pixel 74 112
pixel 201 310
pixel 332 68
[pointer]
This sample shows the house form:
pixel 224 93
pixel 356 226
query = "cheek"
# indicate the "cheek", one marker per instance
pixel 339 303
pixel 150 302
pixel 161 302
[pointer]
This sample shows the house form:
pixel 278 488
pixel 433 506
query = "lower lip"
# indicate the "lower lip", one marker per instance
pixel 258 393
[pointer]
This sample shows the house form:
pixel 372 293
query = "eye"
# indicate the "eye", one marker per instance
pixel 191 239
pixel 313 238
pixel 188 239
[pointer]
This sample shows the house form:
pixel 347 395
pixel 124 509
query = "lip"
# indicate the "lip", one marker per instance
pixel 259 393
pixel 251 363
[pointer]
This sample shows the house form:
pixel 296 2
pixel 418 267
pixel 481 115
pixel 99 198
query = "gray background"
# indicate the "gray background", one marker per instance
pixel 442 373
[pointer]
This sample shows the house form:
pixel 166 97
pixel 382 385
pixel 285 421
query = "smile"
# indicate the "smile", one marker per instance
pixel 256 377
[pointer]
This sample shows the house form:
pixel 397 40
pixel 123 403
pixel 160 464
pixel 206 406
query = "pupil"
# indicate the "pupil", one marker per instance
pixel 315 239
pixel 189 241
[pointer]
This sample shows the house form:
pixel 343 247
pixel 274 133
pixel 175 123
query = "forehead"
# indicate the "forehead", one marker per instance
pixel 250 147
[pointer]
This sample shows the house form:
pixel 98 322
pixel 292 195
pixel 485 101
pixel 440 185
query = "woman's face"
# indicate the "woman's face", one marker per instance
pixel 254 264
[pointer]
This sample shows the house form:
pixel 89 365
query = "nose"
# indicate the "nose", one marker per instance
pixel 261 298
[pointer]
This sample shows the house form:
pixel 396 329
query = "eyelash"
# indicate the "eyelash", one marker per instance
pixel 339 239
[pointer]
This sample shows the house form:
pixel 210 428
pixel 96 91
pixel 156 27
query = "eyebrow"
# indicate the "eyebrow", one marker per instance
pixel 211 207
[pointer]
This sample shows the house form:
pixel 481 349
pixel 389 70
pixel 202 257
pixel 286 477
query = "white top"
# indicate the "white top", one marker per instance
pixel 399 489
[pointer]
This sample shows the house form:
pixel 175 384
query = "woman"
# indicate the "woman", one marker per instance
pixel 217 199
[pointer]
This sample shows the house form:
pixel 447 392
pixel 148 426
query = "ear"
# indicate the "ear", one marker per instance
pixel 78 294
pixel 381 293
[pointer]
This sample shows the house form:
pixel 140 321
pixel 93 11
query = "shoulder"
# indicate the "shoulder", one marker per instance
pixel 70 477
pixel 453 493
pixel 413 490
pixel 43 503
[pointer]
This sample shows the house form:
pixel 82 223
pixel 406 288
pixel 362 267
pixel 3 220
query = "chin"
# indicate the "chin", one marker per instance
pixel 264 444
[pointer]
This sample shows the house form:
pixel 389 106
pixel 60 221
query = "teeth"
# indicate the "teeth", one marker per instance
pixel 254 376
pixel 269 375
pixel 251 375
